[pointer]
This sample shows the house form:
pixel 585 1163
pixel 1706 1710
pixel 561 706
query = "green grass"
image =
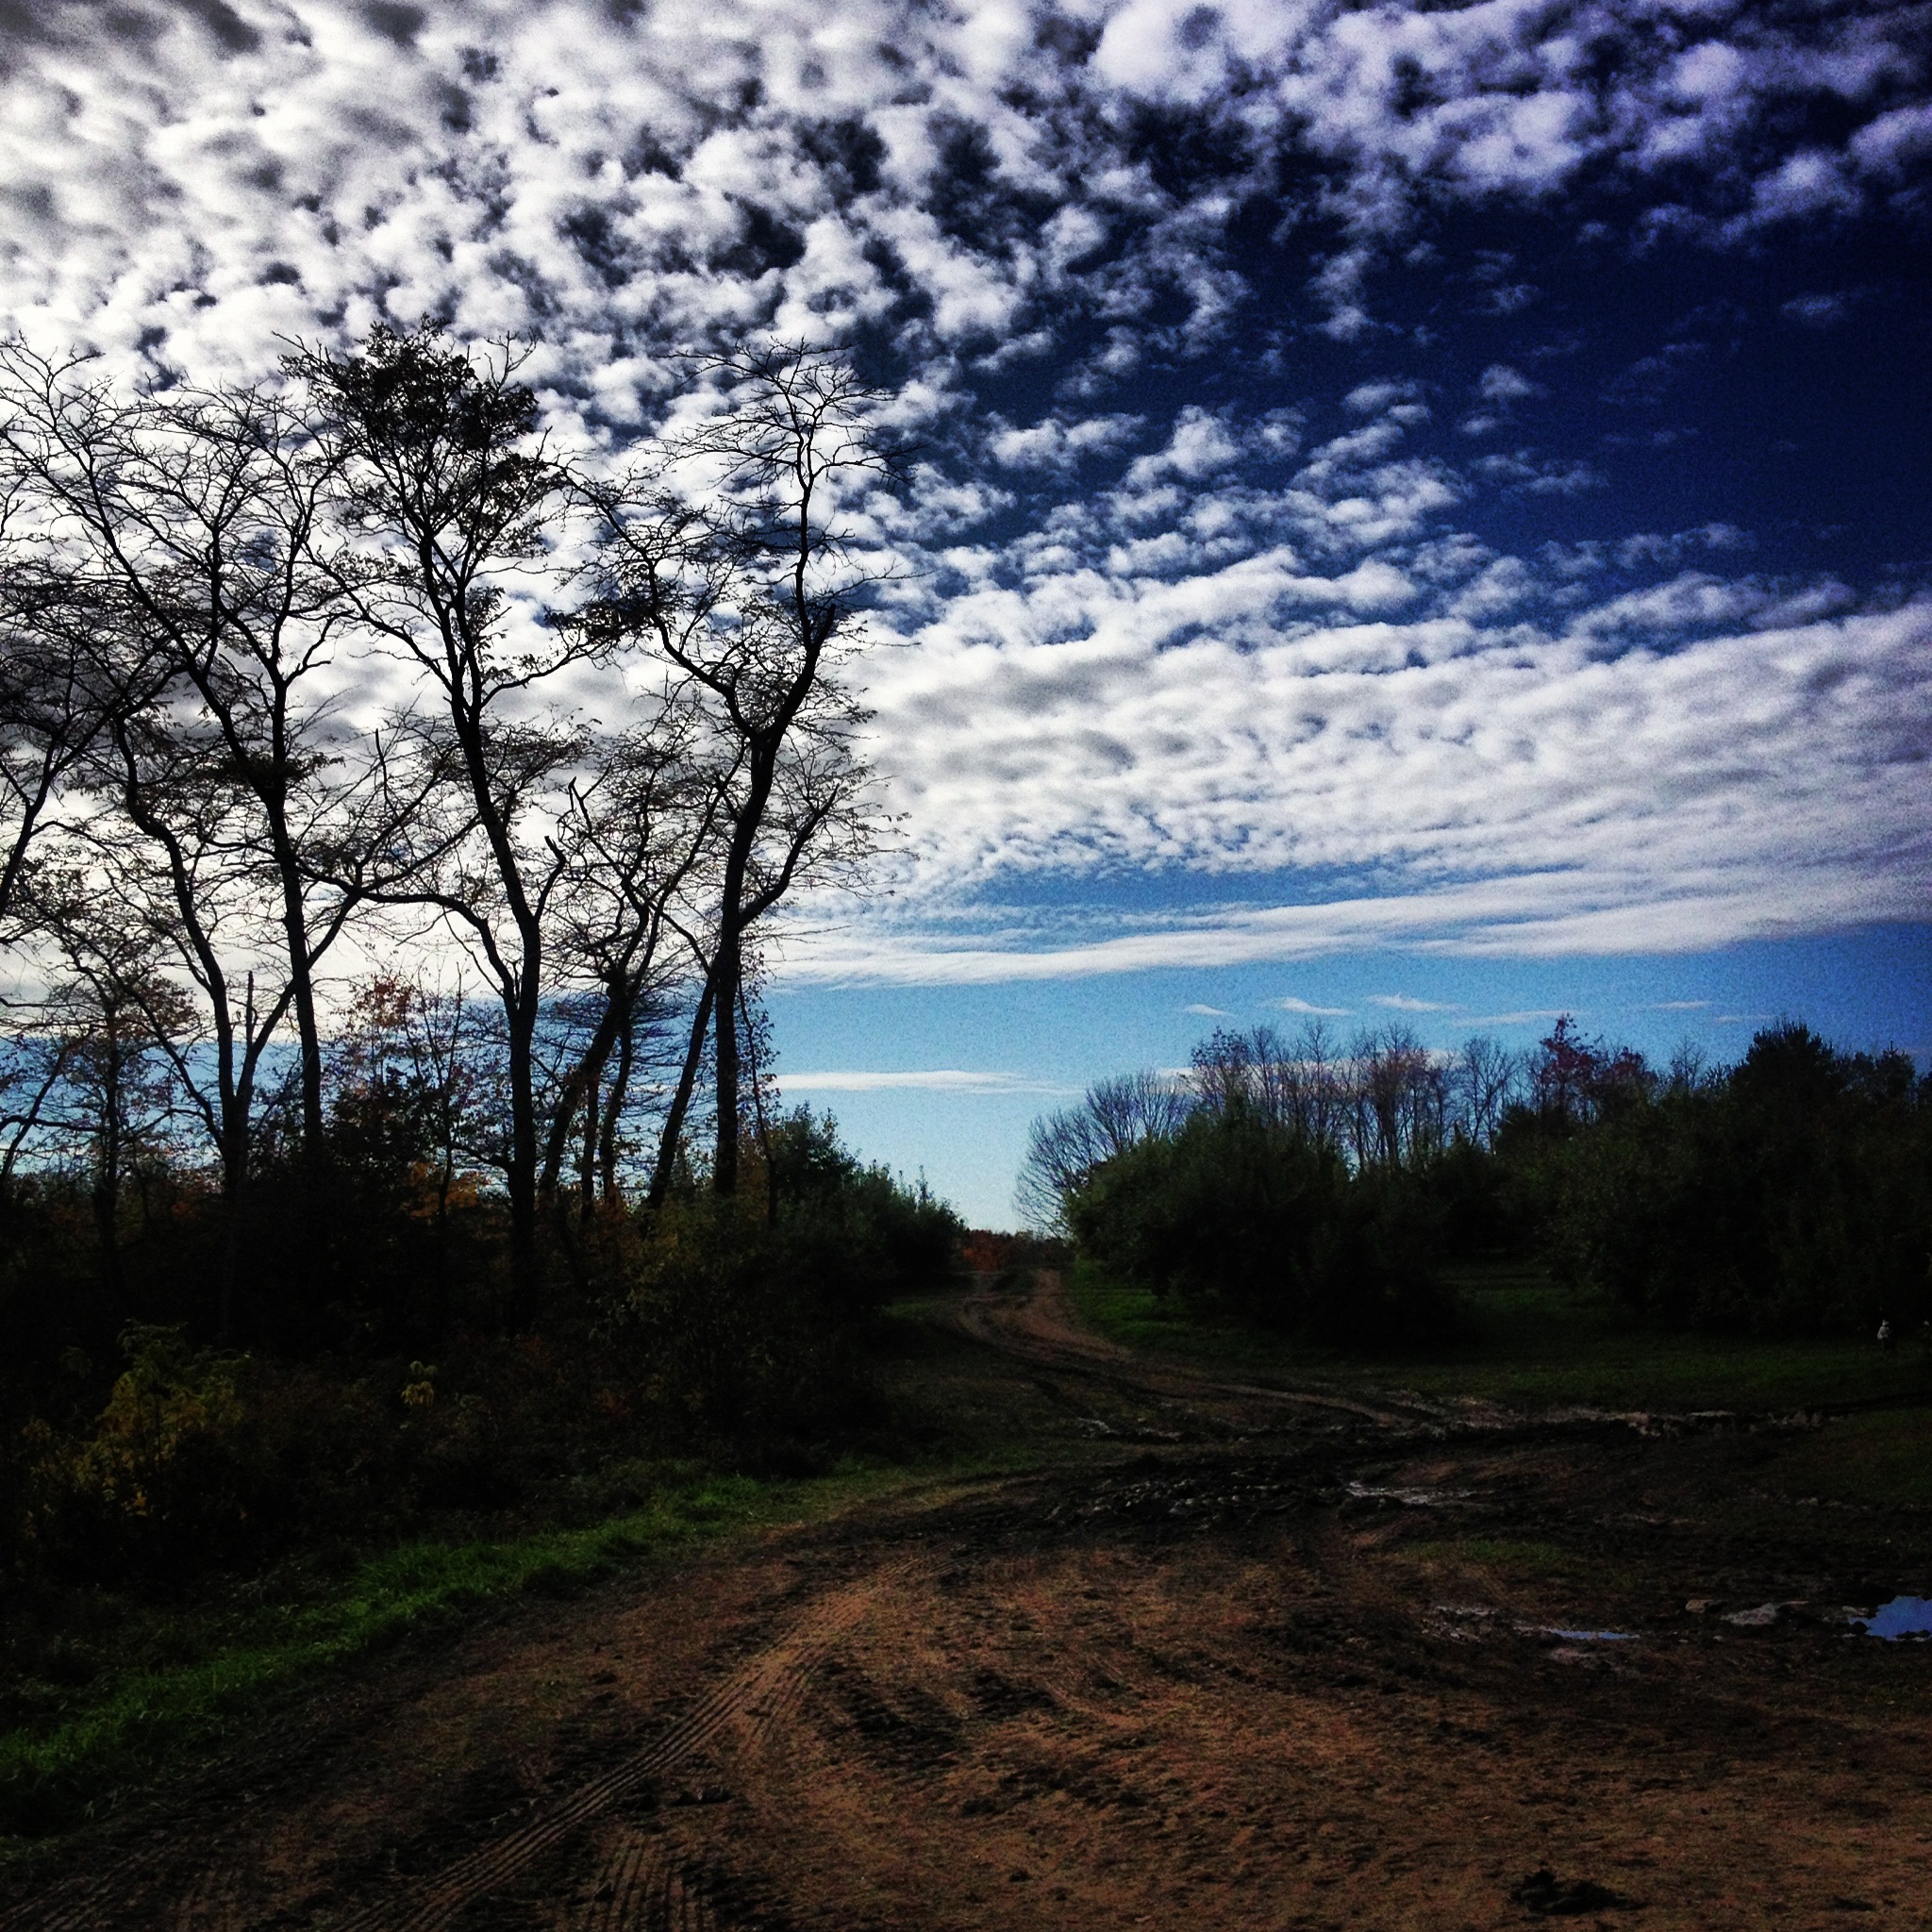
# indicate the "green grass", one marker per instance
pixel 1883 1459
pixel 231 1658
pixel 1525 1341
pixel 1492 1553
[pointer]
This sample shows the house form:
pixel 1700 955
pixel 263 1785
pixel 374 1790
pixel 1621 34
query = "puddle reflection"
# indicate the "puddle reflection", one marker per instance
pixel 1904 1616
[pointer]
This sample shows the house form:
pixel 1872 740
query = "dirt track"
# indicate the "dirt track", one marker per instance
pixel 1285 1659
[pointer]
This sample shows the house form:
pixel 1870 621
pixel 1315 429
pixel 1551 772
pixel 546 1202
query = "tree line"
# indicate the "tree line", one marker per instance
pixel 297 675
pixel 1325 1187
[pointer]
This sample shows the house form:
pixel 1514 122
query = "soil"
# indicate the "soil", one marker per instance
pixel 1228 1657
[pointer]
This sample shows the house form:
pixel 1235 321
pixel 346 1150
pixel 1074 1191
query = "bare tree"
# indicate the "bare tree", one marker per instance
pixel 105 1029
pixel 1064 1148
pixel 638 832
pixel 1484 1079
pixel 53 700
pixel 1400 1097
pixel 178 856
pixel 431 1043
pixel 194 518
pixel 756 597
pixel 456 503
pixel 1302 1085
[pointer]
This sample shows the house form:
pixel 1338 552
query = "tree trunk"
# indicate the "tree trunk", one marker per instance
pixel 727 972
pixel 107 1161
pixel 613 1104
pixel 520 1175
pixel 680 1099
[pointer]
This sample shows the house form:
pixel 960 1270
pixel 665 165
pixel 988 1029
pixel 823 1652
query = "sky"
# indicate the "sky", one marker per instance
pixel 1415 514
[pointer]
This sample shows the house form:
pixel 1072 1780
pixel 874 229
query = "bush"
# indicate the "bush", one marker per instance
pixel 165 1479
pixel 738 1308
pixel 850 1237
pixel 1243 1217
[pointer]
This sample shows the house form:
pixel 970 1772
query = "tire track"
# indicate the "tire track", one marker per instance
pixel 215 1902
pixel 618 1892
pixel 644 1888
pixel 750 1699
pixel 78 1903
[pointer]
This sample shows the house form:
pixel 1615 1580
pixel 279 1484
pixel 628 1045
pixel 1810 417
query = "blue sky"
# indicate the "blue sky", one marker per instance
pixel 953 1076
pixel 1408 504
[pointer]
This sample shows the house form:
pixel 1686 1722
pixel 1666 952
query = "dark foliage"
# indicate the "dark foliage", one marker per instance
pixel 1791 1195
pixel 1245 1216
pixel 1304 1185
pixel 742 1305
pixel 378 1381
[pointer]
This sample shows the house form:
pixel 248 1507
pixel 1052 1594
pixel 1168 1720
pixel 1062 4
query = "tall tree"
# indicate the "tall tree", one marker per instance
pixel 456 503
pixel 193 520
pixel 639 834
pixel 65 667
pixel 109 1024
pixel 755 592
pixel 173 849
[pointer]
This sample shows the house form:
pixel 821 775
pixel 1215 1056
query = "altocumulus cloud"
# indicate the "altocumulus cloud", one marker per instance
pixel 1177 596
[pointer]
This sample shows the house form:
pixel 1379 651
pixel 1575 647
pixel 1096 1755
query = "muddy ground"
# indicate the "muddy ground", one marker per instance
pixel 1226 1657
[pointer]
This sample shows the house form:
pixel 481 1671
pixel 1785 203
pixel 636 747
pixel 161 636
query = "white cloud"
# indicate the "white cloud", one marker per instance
pixel 1200 445
pixel 1290 1005
pixel 1407 1003
pixel 660 172
pixel 1054 444
pixel 1215 666
pixel 1499 383
pixel 1685 792
pixel 934 1080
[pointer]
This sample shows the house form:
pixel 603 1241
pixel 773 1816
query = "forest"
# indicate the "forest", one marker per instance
pixel 1330 1189
pixel 396 802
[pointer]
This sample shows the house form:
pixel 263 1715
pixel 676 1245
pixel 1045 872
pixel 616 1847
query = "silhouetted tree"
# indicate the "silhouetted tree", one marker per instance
pixel 754 596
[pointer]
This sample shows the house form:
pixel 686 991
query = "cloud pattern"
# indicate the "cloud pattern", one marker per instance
pixel 1150 624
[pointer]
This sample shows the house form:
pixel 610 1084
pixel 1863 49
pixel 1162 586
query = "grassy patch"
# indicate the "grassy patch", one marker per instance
pixel 1883 1459
pixel 1492 1553
pixel 207 1669
pixel 1528 1342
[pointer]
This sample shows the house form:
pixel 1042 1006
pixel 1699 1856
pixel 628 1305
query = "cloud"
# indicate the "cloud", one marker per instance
pixel 984 183
pixel 1680 1005
pixel 1404 1003
pixel 1206 1012
pixel 1200 445
pixel 1054 444
pixel 1819 312
pixel 1260 649
pixel 934 1081
pixel 1372 398
pixel 1499 383
pixel 1288 1004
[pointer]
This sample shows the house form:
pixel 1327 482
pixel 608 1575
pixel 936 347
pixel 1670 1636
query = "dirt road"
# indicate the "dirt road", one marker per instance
pixel 1232 1658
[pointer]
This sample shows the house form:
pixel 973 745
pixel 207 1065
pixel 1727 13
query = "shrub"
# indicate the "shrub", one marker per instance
pixel 738 1308
pixel 167 1475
